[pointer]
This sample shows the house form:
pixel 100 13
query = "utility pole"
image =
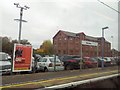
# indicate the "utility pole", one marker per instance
pixel 20 20
pixel 112 47
pixel 103 46
pixel 81 63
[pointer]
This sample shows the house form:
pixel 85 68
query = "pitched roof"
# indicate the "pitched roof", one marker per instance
pixel 70 33
pixel 76 35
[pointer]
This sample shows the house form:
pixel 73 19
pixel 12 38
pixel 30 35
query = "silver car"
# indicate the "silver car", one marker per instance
pixel 5 64
pixel 50 64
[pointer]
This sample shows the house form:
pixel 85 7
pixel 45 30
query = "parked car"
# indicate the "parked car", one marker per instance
pixel 71 62
pixel 66 57
pixel 108 61
pixel 113 61
pixel 33 65
pixel 49 64
pixel 105 63
pixel 99 61
pixel 117 59
pixel 37 56
pixel 89 62
pixel 35 60
pixel 5 64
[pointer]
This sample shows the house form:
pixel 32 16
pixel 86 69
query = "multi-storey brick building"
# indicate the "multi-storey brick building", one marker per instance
pixel 68 43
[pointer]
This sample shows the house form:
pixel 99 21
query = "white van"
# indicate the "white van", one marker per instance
pixel 5 64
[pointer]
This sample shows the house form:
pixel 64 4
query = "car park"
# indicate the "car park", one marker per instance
pixel 5 64
pixel 49 64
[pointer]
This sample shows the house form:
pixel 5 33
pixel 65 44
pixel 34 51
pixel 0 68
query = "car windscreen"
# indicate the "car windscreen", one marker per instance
pixel 42 60
pixel 53 60
pixel 107 59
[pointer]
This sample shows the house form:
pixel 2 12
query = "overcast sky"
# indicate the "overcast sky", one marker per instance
pixel 46 17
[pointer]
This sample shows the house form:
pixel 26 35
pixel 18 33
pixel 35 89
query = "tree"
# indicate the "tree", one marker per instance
pixel 8 45
pixel 47 47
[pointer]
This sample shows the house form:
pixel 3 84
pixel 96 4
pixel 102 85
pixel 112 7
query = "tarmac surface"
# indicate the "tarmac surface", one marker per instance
pixel 45 79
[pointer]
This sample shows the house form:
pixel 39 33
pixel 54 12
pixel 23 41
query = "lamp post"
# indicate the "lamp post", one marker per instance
pixel 21 14
pixel 112 47
pixel 103 46
pixel 81 55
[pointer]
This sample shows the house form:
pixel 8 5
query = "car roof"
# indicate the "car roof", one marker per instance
pixel 48 57
pixel 2 53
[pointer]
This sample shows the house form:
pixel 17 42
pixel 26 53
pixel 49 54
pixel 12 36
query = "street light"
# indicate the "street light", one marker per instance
pixel 103 46
pixel 21 13
pixel 112 47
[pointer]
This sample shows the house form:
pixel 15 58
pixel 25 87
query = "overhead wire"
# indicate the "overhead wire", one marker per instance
pixel 108 6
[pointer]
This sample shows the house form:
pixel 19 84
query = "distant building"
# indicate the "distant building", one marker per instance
pixel 68 43
pixel 114 53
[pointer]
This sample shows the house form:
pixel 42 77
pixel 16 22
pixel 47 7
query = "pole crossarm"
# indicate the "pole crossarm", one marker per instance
pixel 20 20
pixel 105 28
pixel 18 6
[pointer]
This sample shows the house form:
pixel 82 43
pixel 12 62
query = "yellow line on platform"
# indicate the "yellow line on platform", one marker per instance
pixel 66 78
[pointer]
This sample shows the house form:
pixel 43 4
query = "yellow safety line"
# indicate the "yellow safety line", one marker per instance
pixel 38 82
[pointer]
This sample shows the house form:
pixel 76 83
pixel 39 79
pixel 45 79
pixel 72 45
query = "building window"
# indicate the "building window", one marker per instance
pixel 76 51
pixel 65 38
pixel 59 51
pixel 64 52
pixel 71 39
pixel 59 44
pixel 71 51
pixel 65 43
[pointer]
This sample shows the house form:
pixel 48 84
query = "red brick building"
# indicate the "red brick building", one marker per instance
pixel 68 43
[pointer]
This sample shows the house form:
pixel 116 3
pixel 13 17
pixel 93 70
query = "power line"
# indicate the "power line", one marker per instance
pixel 109 6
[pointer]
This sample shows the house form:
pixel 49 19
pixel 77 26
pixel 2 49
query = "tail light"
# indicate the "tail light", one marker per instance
pixel 111 63
pixel 50 65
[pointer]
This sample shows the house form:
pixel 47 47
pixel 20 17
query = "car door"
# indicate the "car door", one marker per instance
pixel 59 65
pixel 56 63
pixel 43 63
pixel 39 62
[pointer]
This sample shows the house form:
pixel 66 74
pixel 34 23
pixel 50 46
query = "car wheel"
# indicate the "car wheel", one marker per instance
pixel 86 67
pixel 34 70
pixel 68 67
pixel 45 70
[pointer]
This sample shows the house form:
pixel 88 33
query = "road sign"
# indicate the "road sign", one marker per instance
pixel 89 43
